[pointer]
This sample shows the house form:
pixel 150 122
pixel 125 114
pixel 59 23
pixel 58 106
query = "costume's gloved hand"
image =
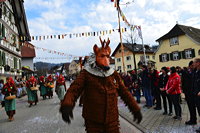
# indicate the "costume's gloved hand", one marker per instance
pixel 67 113
pixel 137 116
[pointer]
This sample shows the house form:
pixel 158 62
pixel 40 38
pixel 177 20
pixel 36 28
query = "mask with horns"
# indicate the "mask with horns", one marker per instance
pixel 103 54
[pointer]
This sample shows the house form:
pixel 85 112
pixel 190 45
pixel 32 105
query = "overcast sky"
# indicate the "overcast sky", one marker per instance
pixel 53 17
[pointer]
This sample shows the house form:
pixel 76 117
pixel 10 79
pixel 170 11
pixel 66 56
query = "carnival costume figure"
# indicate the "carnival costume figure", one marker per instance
pixel 50 86
pixel 101 85
pixel 43 89
pixel 60 87
pixel 10 90
pixel 31 85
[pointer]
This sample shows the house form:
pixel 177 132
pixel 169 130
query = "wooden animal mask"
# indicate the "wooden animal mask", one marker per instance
pixel 103 54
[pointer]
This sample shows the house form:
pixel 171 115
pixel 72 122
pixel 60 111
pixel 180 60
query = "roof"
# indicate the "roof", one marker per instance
pixel 178 30
pixel 28 50
pixel 137 48
pixel 20 18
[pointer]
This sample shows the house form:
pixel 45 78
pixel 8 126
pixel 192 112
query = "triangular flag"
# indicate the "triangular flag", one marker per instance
pixel 122 30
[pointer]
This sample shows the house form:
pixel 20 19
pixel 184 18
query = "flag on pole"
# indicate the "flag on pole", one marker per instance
pixel 139 31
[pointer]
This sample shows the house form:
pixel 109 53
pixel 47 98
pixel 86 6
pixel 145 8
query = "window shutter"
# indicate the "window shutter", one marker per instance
pixel 183 54
pixel 167 57
pixel 3 59
pixel 171 56
pixel 3 31
pixel 193 53
pixel 0 29
pixel 160 58
pixel 179 55
pixel 15 62
pixel 20 65
pixel 0 59
pixel 0 12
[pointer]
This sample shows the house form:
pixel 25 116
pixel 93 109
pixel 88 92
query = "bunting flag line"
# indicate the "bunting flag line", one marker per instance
pixel 47 50
pixel 71 35
pixel 57 58
pixel 132 27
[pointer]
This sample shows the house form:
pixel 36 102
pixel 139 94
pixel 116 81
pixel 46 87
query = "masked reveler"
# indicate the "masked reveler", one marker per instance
pixel 50 86
pixel 43 90
pixel 101 85
pixel 32 93
pixel 9 89
pixel 60 87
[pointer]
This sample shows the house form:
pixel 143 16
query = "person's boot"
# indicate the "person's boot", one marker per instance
pixel 190 122
pixel 198 130
pixel 30 105
pixel 12 118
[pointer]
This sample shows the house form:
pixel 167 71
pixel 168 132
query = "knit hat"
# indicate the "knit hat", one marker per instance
pixel 190 63
pixel 165 69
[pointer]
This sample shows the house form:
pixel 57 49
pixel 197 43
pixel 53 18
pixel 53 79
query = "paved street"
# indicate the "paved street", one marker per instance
pixel 45 118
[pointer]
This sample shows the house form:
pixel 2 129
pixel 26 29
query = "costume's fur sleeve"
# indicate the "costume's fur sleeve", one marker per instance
pixel 126 95
pixel 74 90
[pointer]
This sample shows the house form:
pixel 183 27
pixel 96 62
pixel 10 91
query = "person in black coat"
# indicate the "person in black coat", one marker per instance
pixel 196 85
pixel 146 84
pixel 189 95
pixel 166 98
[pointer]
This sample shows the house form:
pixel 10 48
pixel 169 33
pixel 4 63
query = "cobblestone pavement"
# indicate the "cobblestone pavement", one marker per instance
pixel 154 122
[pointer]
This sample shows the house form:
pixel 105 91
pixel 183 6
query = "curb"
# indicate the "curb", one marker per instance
pixel 139 127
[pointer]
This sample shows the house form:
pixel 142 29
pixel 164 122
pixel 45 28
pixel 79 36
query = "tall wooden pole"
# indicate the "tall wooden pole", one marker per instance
pixel 120 33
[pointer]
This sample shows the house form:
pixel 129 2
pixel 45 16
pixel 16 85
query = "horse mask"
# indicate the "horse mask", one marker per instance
pixel 103 54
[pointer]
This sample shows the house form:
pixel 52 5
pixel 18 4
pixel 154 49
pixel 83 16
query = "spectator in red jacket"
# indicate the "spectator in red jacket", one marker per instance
pixel 174 90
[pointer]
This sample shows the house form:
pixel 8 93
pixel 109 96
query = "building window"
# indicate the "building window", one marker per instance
pixel 119 68
pixel 128 58
pixel 188 54
pixel 147 56
pixel 128 66
pixel 164 57
pixel 120 51
pixel 175 56
pixel 125 50
pixel 199 52
pixel 118 59
pixel 153 57
pixel 173 41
